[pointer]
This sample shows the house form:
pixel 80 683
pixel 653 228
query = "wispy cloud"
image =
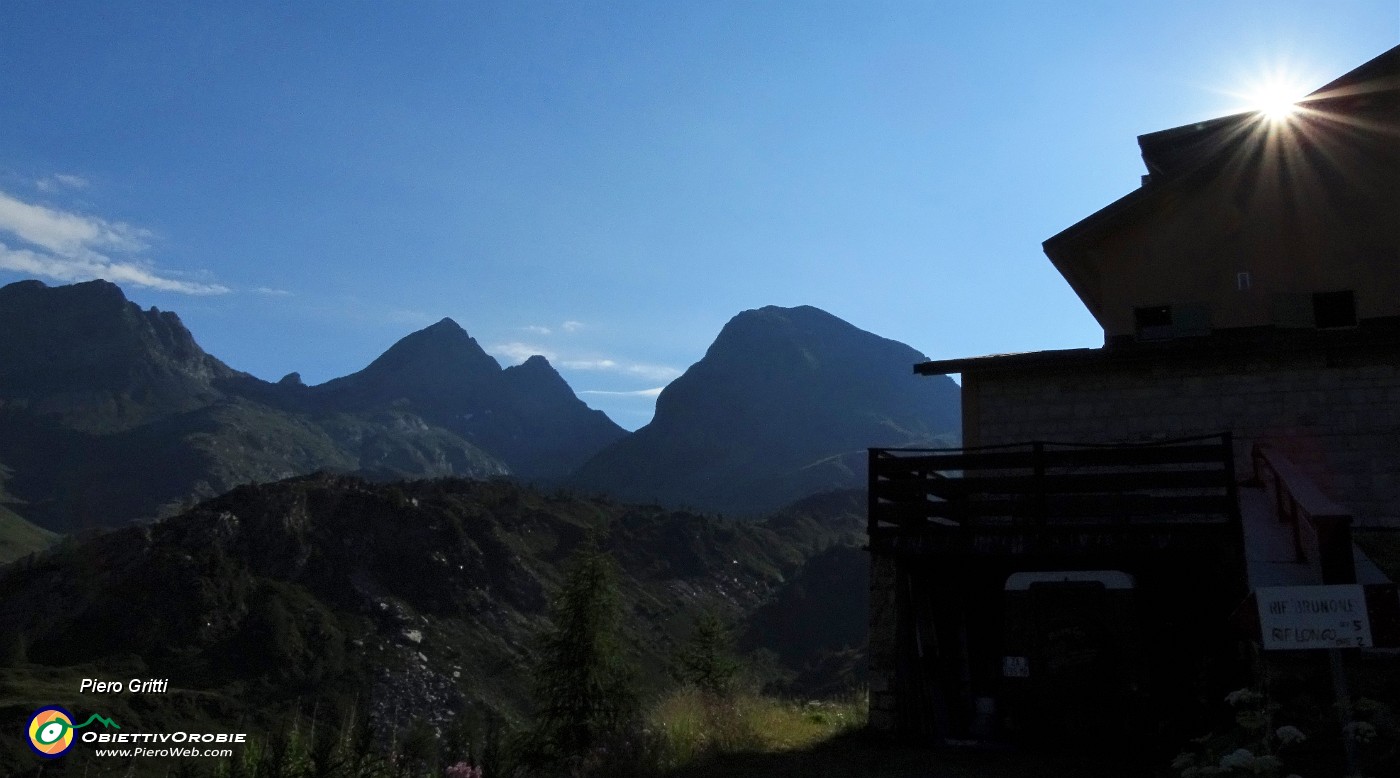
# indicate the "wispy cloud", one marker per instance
pixel 516 352
pixel 60 181
pixel 271 292
pixel 635 393
pixel 652 372
pixel 86 269
pixel 569 327
pixel 74 247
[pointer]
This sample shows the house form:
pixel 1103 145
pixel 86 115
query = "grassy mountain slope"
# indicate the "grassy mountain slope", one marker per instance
pixel 19 537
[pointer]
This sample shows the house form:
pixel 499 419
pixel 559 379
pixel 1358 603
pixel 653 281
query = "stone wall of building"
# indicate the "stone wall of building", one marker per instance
pixel 883 647
pixel 1336 416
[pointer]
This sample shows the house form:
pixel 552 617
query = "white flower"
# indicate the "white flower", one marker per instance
pixel 1288 734
pixel 1240 757
pixel 1360 731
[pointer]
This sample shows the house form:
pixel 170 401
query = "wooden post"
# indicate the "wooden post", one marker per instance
pixel 1339 687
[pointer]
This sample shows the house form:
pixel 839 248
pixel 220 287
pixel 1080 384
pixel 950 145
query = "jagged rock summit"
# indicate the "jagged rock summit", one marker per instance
pixel 783 404
pixel 525 414
pixel 87 355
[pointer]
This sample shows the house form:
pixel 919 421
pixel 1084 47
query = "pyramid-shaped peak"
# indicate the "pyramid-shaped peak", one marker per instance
pixel 436 347
pixel 445 324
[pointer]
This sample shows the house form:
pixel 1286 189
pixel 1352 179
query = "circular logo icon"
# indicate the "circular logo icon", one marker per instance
pixel 51 731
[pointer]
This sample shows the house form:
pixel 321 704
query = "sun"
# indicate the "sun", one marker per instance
pixel 1276 97
pixel 1276 101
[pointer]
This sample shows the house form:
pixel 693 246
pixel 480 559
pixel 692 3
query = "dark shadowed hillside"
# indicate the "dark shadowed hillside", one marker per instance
pixel 783 404
pixel 109 413
pixel 419 601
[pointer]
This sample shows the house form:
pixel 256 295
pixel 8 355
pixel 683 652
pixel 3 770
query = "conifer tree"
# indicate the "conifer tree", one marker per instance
pixel 707 659
pixel 583 683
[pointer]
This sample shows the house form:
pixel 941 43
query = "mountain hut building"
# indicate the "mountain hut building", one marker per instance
pixel 1075 567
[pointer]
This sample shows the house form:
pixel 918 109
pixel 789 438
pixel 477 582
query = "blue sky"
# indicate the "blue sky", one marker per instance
pixel 605 183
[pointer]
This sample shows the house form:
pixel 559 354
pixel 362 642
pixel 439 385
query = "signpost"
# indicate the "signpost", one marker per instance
pixel 1332 617
pixel 1295 618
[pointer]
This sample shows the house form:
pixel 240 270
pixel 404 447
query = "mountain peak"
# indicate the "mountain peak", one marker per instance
pixel 445 324
pixel 783 404
pixel 146 358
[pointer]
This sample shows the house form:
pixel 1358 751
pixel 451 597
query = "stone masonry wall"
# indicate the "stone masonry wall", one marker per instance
pixel 1339 422
pixel 884 627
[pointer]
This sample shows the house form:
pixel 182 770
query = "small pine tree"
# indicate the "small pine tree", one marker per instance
pixel 583 684
pixel 707 659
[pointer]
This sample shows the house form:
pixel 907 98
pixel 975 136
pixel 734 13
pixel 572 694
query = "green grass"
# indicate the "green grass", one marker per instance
pixel 19 537
pixel 858 754
pixel 693 724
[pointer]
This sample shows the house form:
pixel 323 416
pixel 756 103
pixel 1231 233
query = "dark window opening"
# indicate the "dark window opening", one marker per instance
pixel 1334 309
pixel 1152 317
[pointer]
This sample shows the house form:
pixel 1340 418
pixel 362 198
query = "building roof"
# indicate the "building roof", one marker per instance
pixel 1376 335
pixel 1177 157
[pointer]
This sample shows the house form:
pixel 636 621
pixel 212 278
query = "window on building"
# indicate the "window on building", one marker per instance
pixel 1334 309
pixel 1152 318
pixel 1154 322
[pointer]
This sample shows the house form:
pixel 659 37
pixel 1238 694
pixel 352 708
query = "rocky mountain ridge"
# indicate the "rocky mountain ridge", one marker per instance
pixel 109 413
pixel 784 403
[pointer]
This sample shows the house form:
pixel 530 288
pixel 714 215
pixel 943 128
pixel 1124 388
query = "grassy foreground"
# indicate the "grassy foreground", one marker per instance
pixel 692 725
pixel 748 735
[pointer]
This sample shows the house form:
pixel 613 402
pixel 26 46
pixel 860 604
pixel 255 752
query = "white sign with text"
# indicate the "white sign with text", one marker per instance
pixel 1294 618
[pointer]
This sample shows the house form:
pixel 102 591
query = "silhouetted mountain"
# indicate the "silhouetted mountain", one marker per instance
pixel 86 356
pixel 783 404
pixel 438 370
pixel 109 413
pixel 414 602
pixel 526 415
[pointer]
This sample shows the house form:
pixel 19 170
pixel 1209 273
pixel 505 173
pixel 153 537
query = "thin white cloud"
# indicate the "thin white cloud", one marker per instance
pixel 67 234
pixel 60 181
pixel 571 326
pixel 271 292
pixel 88 268
pixel 652 372
pixel 74 247
pixel 516 352
pixel 635 393
pixel 536 329
pixel 591 364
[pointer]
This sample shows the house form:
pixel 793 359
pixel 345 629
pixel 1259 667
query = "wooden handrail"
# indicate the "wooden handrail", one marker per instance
pixel 1321 527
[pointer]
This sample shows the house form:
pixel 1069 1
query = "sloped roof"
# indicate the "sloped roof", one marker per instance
pixel 1176 156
